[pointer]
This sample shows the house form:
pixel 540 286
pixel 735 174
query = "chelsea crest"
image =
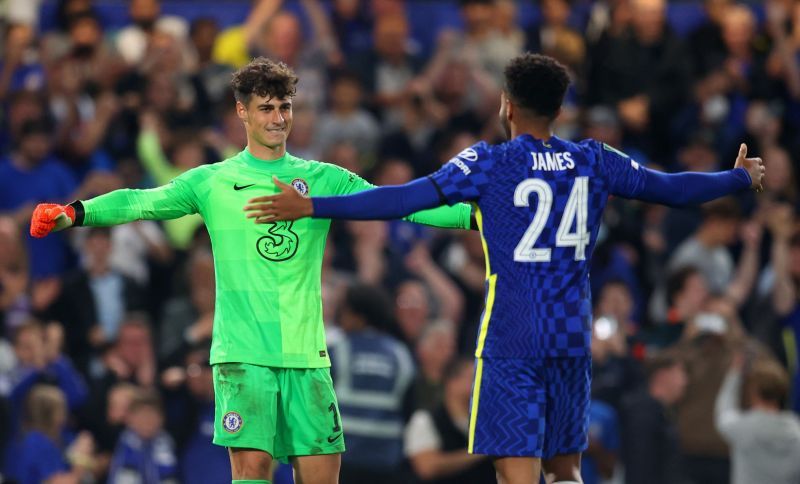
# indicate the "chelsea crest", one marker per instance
pixel 301 186
pixel 232 422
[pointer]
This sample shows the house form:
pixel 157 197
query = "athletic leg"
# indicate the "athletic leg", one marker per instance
pixel 250 464
pixel 507 417
pixel 245 415
pixel 317 469
pixel 309 428
pixel 568 404
pixel 518 470
pixel 563 469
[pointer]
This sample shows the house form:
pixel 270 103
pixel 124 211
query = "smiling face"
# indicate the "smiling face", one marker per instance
pixel 267 120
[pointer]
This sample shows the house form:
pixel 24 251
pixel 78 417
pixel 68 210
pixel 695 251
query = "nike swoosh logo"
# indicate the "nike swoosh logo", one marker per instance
pixel 333 439
pixel 242 187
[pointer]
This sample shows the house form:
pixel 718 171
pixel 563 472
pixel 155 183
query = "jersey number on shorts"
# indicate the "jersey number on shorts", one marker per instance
pixel 575 213
pixel 336 426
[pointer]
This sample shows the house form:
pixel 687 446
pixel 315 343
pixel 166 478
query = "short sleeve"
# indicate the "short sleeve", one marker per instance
pixel 625 177
pixel 420 434
pixel 465 176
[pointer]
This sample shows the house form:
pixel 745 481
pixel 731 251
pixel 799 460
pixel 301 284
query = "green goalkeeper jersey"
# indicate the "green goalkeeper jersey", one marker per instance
pixel 268 276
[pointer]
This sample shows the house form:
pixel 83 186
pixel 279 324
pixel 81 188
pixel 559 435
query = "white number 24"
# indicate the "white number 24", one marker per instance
pixel 576 212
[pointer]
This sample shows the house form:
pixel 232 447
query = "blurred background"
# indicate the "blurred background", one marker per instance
pixel 104 333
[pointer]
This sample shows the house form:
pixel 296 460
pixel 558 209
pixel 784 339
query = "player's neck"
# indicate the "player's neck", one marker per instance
pixel 542 131
pixel 265 153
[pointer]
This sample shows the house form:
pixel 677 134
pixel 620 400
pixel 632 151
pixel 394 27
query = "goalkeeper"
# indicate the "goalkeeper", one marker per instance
pixel 273 392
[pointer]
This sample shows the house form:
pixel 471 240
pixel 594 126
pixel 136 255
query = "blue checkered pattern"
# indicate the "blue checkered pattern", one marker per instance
pixel 535 407
pixel 541 309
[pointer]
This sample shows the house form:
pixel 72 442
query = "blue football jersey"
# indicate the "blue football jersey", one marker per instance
pixel 539 207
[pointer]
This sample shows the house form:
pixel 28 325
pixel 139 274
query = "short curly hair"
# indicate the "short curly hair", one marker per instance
pixel 264 77
pixel 536 82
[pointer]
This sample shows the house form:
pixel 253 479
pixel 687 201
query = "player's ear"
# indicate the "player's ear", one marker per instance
pixel 241 111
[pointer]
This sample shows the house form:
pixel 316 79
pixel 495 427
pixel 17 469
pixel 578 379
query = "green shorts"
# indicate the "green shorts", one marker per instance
pixel 283 411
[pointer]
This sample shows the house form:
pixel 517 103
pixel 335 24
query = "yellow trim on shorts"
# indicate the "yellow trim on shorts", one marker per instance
pixel 492 279
pixel 476 394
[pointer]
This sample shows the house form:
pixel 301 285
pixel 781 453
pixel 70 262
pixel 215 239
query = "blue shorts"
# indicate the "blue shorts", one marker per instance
pixel 530 407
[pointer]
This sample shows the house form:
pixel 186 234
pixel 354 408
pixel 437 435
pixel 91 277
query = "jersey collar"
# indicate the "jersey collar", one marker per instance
pixel 264 164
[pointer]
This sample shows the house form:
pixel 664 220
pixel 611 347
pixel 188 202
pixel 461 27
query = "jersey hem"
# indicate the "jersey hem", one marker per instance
pixel 271 362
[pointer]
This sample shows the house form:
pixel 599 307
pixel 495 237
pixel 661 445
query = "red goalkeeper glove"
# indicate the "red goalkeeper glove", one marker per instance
pixel 51 217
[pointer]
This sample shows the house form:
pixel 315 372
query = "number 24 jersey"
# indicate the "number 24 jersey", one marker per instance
pixel 539 207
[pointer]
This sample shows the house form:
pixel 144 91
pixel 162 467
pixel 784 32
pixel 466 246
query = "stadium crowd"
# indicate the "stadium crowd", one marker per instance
pixel 104 336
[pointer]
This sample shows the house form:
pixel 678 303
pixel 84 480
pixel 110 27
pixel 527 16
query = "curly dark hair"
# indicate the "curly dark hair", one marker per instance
pixel 537 83
pixel 264 77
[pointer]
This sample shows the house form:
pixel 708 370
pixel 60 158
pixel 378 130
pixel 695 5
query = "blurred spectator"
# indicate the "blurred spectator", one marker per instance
pixel 764 439
pixel 434 350
pixel 784 296
pixel 145 452
pixel 372 374
pixel 706 250
pixel 302 140
pixel 40 360
pixel 614 372
pixel 278 34
pixel 107 430
pixel 554 37
pixel 131 42
pixel 687 294
pixel 201 460
pixel 600 459
pixel 650 448
pixel 187 153
pixel 95 299
pixel 131 358
pixel 347 121
pixel 507 23
pixel 480 42
pixel 436 440
pixel 388 67
pixel 31 175
pixel 352 24
pixel 189 319
pixel 465 262
pixel 20 68
pixel 213 76
pixel 420 116
pixel 41 453
pixel 643 72
pixel 708 48
pixel 16 302
pixel 780 183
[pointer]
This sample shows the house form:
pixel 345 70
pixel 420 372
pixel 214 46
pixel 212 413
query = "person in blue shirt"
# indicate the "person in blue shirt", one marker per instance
pixel 40 453
pixel 539 201
pixel 29 175
pixel 202 461
pixel 145 453
pixel 372 374
pixel 599 460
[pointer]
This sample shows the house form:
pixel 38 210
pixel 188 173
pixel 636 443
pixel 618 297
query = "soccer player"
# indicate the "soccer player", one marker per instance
pixel 273 392
pixel 539 203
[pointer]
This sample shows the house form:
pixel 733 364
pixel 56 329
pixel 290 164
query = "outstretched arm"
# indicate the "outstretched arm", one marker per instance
pixel 691 188
pixel 382 203
pixel 630 180
pixel 173 200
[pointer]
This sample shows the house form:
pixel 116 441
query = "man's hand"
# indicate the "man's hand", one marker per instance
pixel 754 166
pixel 286 205
pixel 51 217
